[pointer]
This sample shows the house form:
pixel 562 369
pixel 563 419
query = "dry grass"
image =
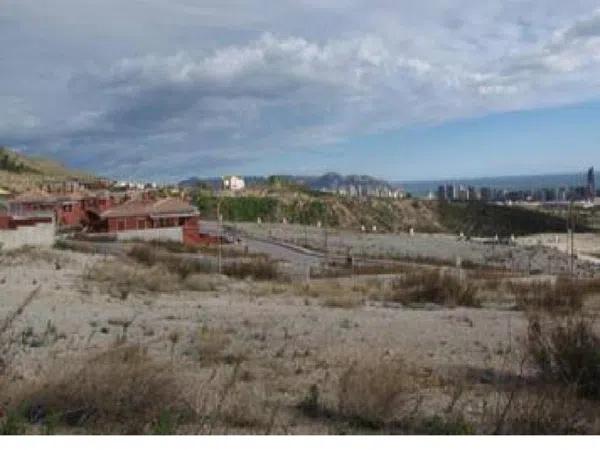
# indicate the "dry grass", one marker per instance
pixel 245 407
pixel 332 293
pixel 258 269
pixel 121 276
pixel 202 282
pixel 372 393
pixel 342 301
pixel 566 350
pixel 121 390
pixel 535 410
pixel 208 345
pixel 338 270
pixel 29 255
pixel 226 251
pixel 176 264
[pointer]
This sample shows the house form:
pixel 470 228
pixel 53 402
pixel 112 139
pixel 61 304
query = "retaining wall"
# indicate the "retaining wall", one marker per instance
pixel 41 234
pixel 150 234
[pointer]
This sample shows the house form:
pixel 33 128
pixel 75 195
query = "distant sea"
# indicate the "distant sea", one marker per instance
pixel 518 182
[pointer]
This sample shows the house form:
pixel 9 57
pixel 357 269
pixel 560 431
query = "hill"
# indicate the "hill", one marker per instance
pixel 297 204
pixel 19 173
pixel 330 181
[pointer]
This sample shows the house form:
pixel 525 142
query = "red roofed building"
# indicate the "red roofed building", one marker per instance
pixel 72 209
pixel 31 203
pixel 136 216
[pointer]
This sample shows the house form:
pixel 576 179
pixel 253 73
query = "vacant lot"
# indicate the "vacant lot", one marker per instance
pixel 526 256
pixel 423 351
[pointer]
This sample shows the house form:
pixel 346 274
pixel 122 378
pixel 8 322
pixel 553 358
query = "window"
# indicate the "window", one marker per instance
pixel 141 224
pixel 121 225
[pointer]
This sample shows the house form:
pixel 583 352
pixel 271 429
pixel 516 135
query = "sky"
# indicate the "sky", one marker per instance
pixel 403 90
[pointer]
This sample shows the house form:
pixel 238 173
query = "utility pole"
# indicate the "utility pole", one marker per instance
pixel 305 236
pixel 326 247
pixel 571 232
pixel 572 242
pixel 219 233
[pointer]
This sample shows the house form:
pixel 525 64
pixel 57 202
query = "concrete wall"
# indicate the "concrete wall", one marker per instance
pixel 149 234
pixel 42 235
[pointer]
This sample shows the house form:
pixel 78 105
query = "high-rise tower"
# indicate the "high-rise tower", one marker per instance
pixel 591 185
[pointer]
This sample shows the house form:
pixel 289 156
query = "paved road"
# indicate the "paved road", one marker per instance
pixel 276 250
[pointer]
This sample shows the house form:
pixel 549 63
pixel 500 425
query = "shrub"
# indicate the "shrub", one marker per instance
pixel 185 267
pixel 145 254
pixel 373 393
pixel 566 350
pixel 565 295
pixel 261 269
pixel 150 255
pixel 120 390
pixel 434 286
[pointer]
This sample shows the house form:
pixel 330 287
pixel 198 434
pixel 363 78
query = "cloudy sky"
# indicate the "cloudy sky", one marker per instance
pixel 166 89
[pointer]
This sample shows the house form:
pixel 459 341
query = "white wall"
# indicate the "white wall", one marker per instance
pixel 149 234
pixel 41 235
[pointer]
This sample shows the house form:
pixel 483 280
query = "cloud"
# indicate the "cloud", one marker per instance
pixel 203 88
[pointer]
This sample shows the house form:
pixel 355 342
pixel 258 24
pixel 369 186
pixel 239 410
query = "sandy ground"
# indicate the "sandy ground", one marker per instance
pixel 286 341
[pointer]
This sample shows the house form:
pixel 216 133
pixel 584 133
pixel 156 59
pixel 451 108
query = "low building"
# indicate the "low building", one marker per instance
pixel 31 203
pixel 162 219
pixel 233 183
pixel 70 209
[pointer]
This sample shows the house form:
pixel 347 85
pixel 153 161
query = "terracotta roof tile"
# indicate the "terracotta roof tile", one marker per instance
pixel 163 206
pixel 33 196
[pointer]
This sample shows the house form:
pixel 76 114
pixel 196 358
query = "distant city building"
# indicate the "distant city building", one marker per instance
pixel 591 185
pixel 442 193
pixel 233 183
pixel 486 194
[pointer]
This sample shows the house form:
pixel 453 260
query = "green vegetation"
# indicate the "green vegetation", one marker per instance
pixel 11 162
pixel 241 209
pixel 19 173
pixel 481 219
